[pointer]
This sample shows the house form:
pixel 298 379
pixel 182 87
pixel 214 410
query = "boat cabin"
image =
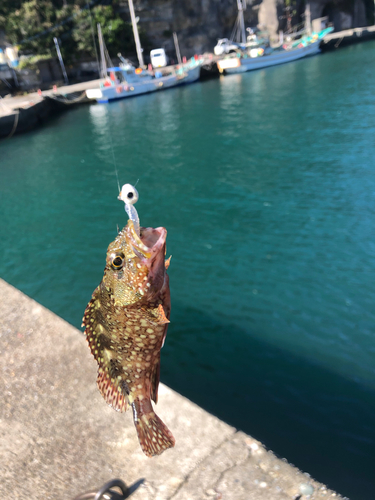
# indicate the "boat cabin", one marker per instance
pixel 125 74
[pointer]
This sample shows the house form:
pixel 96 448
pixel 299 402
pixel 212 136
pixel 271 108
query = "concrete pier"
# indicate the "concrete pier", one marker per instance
pixel 347 37
pixel 21 113
pixel 58 438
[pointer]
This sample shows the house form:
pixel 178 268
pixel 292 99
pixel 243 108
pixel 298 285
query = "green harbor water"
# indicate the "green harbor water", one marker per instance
pixel 266 184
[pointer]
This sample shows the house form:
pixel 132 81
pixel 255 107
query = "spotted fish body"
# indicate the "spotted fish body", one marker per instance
pixel 126 323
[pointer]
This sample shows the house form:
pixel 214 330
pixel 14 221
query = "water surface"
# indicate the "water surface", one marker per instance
pixel 265 182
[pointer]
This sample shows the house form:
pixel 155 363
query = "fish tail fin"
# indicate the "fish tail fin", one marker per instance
pixel 153 435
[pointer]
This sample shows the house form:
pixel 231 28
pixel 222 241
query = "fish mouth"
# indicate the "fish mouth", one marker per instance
pixel 150 242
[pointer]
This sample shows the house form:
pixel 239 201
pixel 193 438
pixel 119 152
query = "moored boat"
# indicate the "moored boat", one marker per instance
pixel 127 81
pixel 257 58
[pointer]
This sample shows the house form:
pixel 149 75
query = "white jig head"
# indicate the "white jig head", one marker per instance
pixel 129 195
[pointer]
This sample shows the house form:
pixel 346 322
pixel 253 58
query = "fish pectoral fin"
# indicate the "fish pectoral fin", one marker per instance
pixel 111 392
pixel 168 262
pixel 153 435
pixel 162 319
pixel 157 315
pixel 155 378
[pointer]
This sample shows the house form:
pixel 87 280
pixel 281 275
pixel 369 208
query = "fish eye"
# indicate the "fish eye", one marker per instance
pixel 117 262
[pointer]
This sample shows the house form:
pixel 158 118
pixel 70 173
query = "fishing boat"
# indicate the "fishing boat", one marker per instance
pixel 256 58
pixel 128 81
pixel 256 52
pixel 119 82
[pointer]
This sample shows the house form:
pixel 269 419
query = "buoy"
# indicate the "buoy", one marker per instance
pixel 55 88
pixel 39 92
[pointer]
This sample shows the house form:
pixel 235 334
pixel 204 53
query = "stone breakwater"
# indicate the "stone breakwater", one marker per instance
pixel 60 439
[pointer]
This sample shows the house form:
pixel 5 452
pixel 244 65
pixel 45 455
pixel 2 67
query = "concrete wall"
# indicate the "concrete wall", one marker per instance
pixel 59 438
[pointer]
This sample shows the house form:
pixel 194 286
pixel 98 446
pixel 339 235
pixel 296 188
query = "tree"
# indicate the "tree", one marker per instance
pixel 6 7
pixel 36 23
pixel 117 33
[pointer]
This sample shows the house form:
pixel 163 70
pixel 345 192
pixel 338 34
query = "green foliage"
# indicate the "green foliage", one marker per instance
pixel 33 24
pixel 7 6
pixel 118 34
pixel 33 18
pixel 32 61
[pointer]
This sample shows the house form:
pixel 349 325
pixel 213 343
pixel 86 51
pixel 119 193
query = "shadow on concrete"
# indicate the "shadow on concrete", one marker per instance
pixel 107 491
pixel 320 421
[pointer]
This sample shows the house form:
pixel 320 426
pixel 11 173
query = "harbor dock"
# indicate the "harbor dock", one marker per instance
pixel 59 438
pixel 22 113
pixel 347 37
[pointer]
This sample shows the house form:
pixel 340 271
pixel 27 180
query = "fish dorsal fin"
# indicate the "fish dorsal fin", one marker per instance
pixel 111 392
pixel 92 307
pixel 155 377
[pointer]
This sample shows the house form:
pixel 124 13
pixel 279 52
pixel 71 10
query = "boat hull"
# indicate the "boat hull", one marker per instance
pixel 124 90
pixel 230 66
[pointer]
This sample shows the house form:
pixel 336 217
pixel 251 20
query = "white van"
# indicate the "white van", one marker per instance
pixel 158 58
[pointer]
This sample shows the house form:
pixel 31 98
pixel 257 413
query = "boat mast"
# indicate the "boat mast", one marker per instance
pixel 241 5
pixel 177 47
pixel 103 66
pixel 308 19
pixel 136 35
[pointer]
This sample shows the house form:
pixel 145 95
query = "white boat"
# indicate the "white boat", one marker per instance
pixel 127 81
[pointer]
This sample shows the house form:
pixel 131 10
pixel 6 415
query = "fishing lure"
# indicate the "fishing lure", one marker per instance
pixel 129 195
pixel 126 324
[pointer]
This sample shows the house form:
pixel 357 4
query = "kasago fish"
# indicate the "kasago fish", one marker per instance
pixel 126 323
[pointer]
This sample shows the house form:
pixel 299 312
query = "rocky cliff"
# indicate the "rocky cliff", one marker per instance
pixel 199 23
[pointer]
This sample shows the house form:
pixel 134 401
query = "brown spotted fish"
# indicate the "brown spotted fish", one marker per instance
pixel 125 325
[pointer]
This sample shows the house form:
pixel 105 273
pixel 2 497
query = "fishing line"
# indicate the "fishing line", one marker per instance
pixel 116 171
pixel 115 165
pixel 114 162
